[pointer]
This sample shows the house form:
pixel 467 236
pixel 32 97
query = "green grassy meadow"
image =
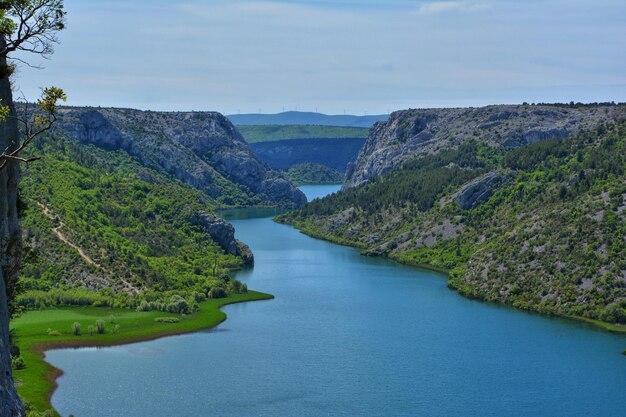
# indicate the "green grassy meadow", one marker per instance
pixel 36 381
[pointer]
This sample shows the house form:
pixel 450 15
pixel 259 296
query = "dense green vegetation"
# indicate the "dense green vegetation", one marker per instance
pixel 415 185
pixel 36 331
pixel 139 247
pixel 268 133
pixel 551 239
pixel 309 173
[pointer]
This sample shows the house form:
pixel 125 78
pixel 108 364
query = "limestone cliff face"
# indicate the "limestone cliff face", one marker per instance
pixel 223 234
pixel 415 132
pixel 10 251
pixel 202 149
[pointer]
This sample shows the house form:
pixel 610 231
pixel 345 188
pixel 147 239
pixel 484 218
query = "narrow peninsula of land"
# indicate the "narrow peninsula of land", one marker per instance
pixel 69 327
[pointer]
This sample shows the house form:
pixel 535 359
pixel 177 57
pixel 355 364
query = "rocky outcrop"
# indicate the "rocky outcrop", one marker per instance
pixel 479 190
pixel 223 234
pixel 245 253
pixel 10 249
pixel 202 149
pixel 412 133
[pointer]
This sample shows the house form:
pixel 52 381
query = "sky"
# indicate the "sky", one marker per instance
pixel 357 57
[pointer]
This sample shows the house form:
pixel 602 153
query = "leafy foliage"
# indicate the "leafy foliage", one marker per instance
pixel 309 173
pixel 131 223
pixel 415 185
pixel 551 239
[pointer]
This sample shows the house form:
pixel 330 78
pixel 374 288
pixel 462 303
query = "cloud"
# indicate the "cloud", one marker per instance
pixel 355 55
pixel 437 7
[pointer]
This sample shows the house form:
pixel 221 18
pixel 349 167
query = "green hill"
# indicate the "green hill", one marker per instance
pixel 308 173
pixel 99 228
pixel 270 133
pixel 539 227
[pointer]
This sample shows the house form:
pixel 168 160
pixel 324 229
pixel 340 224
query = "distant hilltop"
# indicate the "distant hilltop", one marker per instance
pixel 306 118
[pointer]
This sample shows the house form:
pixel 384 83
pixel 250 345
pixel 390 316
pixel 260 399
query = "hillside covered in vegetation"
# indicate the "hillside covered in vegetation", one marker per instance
pixel 271 133
pixel 101 229
pixel 306 118
pixel 308 173
pixel 202 149
pixel 541 227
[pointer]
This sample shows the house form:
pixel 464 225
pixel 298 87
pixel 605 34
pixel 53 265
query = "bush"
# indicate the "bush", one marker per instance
pixel 217 292
pixel 115 329
pixel 17 363
pixel 100 327
pixel 178 305
pixel 167 320
pixel 236 287
pixel 54 332
pixel 91 330
pixel 36 299
pixel 76 328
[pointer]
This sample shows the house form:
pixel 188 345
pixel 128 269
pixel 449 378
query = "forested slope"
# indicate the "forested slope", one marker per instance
pixel 202 149
pixel 541 227
pixel 100 228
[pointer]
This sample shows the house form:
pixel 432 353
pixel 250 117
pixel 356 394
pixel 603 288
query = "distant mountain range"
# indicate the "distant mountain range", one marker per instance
pixel 306 118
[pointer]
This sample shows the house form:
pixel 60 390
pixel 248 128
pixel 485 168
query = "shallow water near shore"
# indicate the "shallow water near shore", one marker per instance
pixel 349 335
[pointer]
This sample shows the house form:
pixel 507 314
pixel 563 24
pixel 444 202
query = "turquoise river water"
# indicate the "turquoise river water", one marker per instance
pixel 349 335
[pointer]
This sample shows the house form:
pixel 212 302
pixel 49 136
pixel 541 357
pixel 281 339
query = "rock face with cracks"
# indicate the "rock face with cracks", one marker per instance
pixel 223 234
pixel 202 149
pixel 409 134
pixel 479 190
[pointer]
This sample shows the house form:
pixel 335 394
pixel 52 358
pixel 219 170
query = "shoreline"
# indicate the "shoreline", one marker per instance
pixel 593 323
pixel 37 349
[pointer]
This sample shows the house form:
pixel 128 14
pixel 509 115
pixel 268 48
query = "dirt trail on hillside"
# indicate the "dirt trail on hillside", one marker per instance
pixel 128 287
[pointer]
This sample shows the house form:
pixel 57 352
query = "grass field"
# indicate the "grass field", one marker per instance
pixel 255 134
pixel 36 381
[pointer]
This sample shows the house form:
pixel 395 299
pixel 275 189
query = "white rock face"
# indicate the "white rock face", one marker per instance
pixel 202 149
pixel 411 133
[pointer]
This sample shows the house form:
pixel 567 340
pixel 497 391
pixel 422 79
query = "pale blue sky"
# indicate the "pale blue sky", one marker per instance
pixel 362 56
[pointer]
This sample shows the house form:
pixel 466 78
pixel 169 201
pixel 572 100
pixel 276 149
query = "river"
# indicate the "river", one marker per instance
pixel 349 335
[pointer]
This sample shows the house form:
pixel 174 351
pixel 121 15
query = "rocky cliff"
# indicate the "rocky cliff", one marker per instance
pixel 202 149
pixel 412 133
pixel 223 234
pixel 540 227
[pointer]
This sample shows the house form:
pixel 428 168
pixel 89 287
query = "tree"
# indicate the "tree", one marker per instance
pixel 26 26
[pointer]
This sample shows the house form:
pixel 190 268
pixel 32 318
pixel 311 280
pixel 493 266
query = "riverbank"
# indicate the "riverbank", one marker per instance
pixel 304 228
pixel 42 330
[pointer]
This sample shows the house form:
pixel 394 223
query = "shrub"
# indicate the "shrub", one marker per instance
pixel 217 292
pixel 236 287
pixel 17 363
pixel 112 319
pixel 54 332
pixel 100 326
pixel 76 328
pixel 36 299
pixel 167 320
pixel 91 330
pixel 178 305
pixel 143 306
pixel 115 329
